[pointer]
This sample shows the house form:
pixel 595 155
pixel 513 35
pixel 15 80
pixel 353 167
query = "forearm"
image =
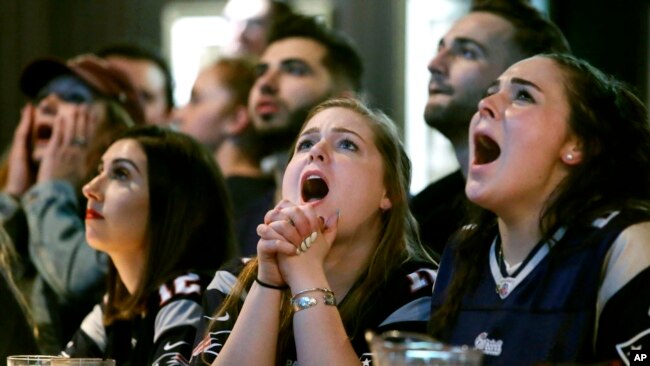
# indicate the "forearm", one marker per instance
pixel 320 336
pixel 258 324
pixel 320 325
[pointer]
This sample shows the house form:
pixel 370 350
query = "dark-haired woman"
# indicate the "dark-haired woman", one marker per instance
pixel 555 266
pixel 159 209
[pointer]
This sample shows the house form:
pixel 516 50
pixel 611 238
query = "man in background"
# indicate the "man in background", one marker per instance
pixel 304 64
pixel 151 75
pixel 472 54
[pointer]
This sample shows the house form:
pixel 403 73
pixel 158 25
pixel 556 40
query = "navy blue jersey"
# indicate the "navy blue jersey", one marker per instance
pixel 583 298
pixel 163 335
pixel 401 303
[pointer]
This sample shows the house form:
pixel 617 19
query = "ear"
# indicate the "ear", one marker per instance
pixel 238 121
pixel 572 152
pixel 385 204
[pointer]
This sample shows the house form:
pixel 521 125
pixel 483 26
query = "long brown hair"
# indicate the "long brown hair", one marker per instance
pixel 612 124
pixel 398 240
pixel 190 225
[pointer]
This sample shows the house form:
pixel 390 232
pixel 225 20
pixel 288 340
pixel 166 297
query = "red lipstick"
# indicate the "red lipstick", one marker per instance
pixel 92 214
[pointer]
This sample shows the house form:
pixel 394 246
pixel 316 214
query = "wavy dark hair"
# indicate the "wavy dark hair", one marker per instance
pixel 190 224
pixel 341 59
pixel 398 240
pixel 611 123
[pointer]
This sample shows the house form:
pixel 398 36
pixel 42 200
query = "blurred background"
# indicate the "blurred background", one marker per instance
pixel 396 39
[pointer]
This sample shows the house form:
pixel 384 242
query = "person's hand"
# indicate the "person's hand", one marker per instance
pixel 303 239
pixel 65 155
pixel 19 174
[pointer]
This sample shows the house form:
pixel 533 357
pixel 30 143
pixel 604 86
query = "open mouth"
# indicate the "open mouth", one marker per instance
pixel 314 188
pixel 43 132
pixel 486 150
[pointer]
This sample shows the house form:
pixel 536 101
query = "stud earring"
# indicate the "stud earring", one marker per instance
pixel 569 157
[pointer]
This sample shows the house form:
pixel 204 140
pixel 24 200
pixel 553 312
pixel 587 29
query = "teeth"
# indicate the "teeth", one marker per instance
pixel 313 177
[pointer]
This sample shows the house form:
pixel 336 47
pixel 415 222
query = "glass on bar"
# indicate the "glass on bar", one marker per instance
pixel 30 360
pixel 83 362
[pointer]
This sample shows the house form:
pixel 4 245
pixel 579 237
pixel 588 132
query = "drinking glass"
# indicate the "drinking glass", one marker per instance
pixel 395 348
pixel 82 362
pixel 30 360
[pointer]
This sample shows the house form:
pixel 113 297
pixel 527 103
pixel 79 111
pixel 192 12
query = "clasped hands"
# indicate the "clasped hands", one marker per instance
pixel 294 241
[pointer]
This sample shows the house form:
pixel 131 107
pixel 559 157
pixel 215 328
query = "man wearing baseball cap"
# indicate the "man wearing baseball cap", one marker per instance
pixel 75 109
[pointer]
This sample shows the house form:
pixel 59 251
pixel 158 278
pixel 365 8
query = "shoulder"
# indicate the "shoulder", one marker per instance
pixel 188 286
pixel 404 302
pixel 628 257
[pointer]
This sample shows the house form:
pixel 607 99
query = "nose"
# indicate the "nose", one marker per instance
pixel 93 189
pixel 488 106
pixel 267 82
pixel 318 152
pixel 49 105
pixel 438 66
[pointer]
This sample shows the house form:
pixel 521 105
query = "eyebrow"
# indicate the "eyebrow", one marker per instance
pixel 293 60
pixel 127 162
pixel 314 130
pixel 518 81
pixel 462 41
pixel 521 81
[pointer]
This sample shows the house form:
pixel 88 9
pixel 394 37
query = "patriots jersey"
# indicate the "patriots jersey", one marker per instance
pixel 162 335
pixel 582 298
pixel 401 303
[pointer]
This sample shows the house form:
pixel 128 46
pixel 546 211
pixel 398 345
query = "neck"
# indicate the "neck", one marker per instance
pixel 233 161
pixel 129 267
pixel 518 238
pixel 461 148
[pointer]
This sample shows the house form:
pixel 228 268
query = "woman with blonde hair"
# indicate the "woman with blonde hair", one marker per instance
pixel 339 255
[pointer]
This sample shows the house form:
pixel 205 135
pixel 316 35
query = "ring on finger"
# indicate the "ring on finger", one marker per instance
pixel 307 243
pixel 79 141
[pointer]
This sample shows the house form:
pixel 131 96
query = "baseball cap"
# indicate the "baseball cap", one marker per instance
pixel 103 78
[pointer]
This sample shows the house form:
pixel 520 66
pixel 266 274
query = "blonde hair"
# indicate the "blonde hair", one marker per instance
pixel 398 240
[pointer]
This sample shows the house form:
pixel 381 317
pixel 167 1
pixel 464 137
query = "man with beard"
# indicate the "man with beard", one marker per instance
pixel 471 55
pixel 304 64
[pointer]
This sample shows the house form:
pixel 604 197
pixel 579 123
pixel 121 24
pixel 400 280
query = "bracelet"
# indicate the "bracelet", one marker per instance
pixel 306 302
pixel 268 285
pixel 321 289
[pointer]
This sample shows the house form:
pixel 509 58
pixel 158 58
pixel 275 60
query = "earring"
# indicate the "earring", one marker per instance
pixel 569 157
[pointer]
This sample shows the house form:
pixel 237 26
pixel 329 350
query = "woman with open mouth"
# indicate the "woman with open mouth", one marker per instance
pixel 165 237
pixel 555 264
pixel 75 109
pixel 337 256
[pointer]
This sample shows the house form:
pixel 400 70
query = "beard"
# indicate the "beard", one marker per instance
pixel 280 138
pixel 452 119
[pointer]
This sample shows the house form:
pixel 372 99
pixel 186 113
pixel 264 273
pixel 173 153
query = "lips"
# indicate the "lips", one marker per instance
pixel 93 215
pixel 266 108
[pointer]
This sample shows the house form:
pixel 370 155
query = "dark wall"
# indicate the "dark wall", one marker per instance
pixel 63 28
pixel 611 35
